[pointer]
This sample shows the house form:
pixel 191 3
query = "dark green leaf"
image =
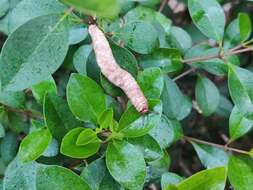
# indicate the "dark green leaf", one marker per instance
pixel 210 156
pixel 80 58
pixel 25 64
pixel 34 144
pixel 175 104
pixel 209 17
pixel 238 124
pixel 13 99
pixel 85 98
pixel 58 117
pixel 59 178
pixel 168 60
pixel 207 95
pixel 170 178
pixel 120 157
pixel 151 82
pixel 166 132
pixel 9 147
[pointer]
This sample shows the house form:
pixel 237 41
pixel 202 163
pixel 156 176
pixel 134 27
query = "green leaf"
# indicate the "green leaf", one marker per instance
pixel 13 99
pixel 132 124
pixel 175 104
pixel 34 144
pixel 77 34
pixel 2 131
pixel 151 82
pixel 85 98
pixel 166 132
pixel 170 179
pixel 52 149
pixel 58 178
pixel 132 35
pixel 150 149
pixel 207 95
pixel 80 58
pixel 120 157
pixel 106 118
pixel 70 148
pixel 25 64
pixel 94 173
pixel 179 39
pixel 209 17
pixel 87 136
pixel 225 107
pixel 240 172
pixel 27 10
pixel 9 147
pixel 211 157
pixel 245 26
pixel 58 116
pixel 211 179
pixel 168 60
pixel 39 90
pixel 105 8
pixel 4 7
pixel 240 83
pixel 238 124
pixel 20 175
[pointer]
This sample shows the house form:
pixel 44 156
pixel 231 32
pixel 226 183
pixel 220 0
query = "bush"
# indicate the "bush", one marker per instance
pixel 165 102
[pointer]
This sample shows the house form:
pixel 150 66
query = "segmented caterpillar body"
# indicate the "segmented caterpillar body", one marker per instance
pixel 113 72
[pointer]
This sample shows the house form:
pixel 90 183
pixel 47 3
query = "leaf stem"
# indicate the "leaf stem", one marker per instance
pixel 224 147
pixel 163 4
pixel 189 71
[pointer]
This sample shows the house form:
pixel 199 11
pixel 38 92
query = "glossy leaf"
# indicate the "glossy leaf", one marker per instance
pixel 70 148
pixel 33 145
pixel 175 104
pixel 168 60
pixel 170 178
pixel 80 58
pixel 106 118
pixel 240 172
pixel 238 124
pixel 85 98
pixel 87 136
pixel 120 156
pixel 209 17
pixel 207 95
pixel 26 64
pixel 211 157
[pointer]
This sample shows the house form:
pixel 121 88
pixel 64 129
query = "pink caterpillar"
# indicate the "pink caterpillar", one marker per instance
pixel 112 71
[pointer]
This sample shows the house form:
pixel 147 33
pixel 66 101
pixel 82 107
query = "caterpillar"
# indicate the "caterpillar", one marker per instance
pixel 113 72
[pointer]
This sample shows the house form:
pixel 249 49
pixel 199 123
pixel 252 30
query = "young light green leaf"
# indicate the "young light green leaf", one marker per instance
pixel 106 118
pixel 207 95
pixel 150 149
pixel 211 157
pixel 211 179
pixel 70 148
pixel 238 124
pixel 85 98
pixel 39 90
pixel 151 82
pixel 240 172
pixel 245 26
pixel 120 156
pixel 175 104
pixel 58 116
pixel 105 8
pixel 58 178
pixel 26 64
pixel 34 144
pixel 132 124
pixel 166 132
pixel 87 136
pixel 80 58
pixel 240 83
pixel 209 17
pixel 132 35
pixel 168 60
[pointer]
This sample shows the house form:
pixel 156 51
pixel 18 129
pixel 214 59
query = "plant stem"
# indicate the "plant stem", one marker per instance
pixel 226 148
pixel 189 71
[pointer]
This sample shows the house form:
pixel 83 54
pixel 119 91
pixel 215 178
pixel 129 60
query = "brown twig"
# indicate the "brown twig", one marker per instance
pixel 191 70
pixel 224 147
pixel 163 4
